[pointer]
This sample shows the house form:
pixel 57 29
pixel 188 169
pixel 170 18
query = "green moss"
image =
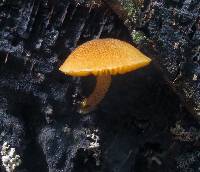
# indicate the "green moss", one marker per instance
pixel 128 10
pixel 137 36
pixel 130 7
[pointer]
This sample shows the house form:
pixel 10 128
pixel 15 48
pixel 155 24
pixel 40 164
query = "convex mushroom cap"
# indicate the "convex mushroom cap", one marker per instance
pixel 104 56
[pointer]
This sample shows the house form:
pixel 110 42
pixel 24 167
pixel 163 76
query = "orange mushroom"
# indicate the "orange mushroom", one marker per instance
pixel 102 58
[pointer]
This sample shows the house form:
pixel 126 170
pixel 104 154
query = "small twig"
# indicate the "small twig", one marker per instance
pixel 6 59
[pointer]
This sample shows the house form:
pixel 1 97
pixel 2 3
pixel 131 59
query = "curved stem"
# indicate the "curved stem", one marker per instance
pixel 102 84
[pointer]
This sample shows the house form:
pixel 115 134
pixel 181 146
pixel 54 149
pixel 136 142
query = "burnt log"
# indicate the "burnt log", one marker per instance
pixel 173 32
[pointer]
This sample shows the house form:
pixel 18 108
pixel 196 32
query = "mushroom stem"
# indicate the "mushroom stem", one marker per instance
pixel 88 104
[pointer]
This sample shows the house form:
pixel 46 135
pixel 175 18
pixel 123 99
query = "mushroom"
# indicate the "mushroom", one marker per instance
pixel 102 58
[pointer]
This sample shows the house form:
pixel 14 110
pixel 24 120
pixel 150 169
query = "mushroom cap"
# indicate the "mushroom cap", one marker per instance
pixel 104 56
